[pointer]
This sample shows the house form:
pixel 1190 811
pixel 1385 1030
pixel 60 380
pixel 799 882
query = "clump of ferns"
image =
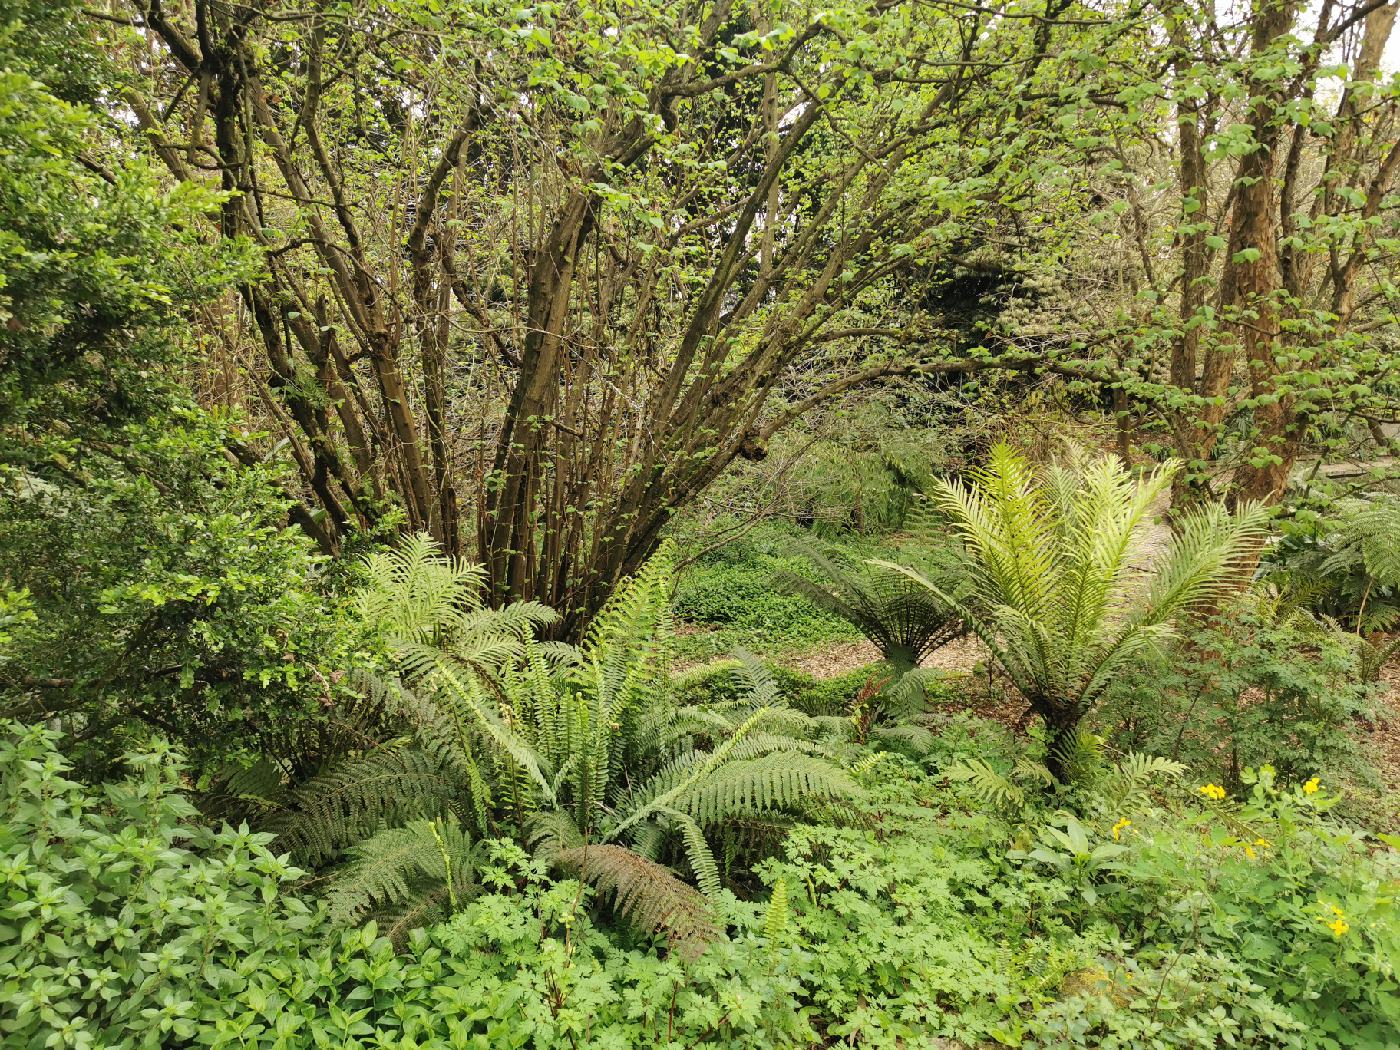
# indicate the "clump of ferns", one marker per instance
pixel 579 751
pixel 905 621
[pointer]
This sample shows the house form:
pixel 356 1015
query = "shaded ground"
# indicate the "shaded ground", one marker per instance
pixel 1381 739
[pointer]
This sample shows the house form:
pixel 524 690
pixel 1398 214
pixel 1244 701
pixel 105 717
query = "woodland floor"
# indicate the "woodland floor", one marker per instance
pixel 1379 737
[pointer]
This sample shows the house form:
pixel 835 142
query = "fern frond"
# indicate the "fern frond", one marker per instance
pixel 552 832
pixel 645 893
pixel 905 621
pixel 988 784
pixel 697 853
pixel 1134 773
pixel 775 915
pixel 775 781
pixel 351 802
pixel 395 868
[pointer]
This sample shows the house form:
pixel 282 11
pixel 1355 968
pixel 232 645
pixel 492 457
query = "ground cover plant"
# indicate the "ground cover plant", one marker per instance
pixel 737 524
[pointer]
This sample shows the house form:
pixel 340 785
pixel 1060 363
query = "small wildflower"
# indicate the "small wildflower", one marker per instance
pixel 1250 853
pixel 1212 791
pixel 1339 924
pixel 1263 843
pixel 1310 788
pixel 1120 826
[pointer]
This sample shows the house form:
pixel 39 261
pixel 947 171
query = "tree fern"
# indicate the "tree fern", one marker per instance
pixel 1055 592
pixel 905 621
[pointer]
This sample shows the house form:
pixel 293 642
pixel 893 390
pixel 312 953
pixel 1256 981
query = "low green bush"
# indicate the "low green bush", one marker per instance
pixel 123 924
pixel 1181 921
pixel 730 599
pixel 1263 687
pixel 716 683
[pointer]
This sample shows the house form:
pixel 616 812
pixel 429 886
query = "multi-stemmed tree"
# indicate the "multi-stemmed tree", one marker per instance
pixel 535 276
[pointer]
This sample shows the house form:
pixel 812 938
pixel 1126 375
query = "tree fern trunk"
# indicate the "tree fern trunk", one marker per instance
pixel 1061 727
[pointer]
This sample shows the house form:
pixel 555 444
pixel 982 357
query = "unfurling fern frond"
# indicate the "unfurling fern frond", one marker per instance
pixel 645 893
pixel 421 870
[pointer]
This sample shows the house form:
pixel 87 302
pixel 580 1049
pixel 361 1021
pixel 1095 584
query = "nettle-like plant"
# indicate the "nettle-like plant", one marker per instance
pixel 579 750
pixel 1066 590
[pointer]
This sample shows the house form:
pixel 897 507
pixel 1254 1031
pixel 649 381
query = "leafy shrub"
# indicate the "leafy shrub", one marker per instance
pixel 1257 688
pixel 717 683
pixel 165 588
pixel 1178 920
pixel 127 925
pixel 1137 923
pixel 1303 909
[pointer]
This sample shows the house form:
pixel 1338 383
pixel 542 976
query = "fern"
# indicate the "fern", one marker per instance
pixel 362 795
pixel 581 748
pixel 905 621
pixel 775 915
pixel 753 787
pixel 1134 773
pixel 422 869
pixel 645 893
pixel 1056 597
pixel 990 786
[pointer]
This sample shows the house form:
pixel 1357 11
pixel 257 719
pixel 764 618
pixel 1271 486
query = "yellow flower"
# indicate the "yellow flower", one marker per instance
pixel 1310 788
pixel 1263 843
pixel 1249 852
pixel 1118 828
pixel 1212 791
pixel 1339 927
pixel 1337 911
